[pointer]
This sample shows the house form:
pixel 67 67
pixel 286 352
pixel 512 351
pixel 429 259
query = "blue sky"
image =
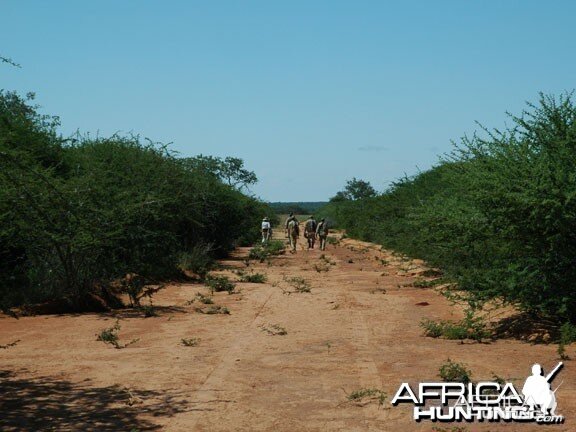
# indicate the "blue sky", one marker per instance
pixel 308 93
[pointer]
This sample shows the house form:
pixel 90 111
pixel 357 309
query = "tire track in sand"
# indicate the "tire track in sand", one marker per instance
pixel 216 378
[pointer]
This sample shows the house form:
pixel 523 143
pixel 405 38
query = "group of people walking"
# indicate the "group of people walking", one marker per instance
pixel 312 229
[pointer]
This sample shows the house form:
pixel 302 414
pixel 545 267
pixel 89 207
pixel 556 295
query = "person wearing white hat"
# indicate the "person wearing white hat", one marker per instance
pixel 266 230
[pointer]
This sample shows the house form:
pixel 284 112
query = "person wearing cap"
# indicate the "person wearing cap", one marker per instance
pixel 266 230
pixel 322 231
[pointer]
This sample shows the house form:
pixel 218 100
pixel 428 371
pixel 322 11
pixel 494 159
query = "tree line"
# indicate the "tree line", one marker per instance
pixel 497 214
pixel 300 207
pixel 78 213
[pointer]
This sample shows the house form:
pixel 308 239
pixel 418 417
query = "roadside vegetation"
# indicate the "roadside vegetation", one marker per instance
pixel 497 215
pixel 470 327
pixel 79 214
pixel 264 252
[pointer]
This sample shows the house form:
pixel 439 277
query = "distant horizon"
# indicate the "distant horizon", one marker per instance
pixel 298 202
pixel 308 94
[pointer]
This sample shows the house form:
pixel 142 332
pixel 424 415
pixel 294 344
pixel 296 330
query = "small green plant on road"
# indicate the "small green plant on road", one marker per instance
pixel 190 342
pixel 299 283
pixel 220 283
pixel 365 395
pixel 110 336
pixel 274 330
pixel 455 372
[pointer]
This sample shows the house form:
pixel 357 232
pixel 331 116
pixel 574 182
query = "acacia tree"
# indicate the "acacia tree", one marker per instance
pixel 355 189
pixel 230 170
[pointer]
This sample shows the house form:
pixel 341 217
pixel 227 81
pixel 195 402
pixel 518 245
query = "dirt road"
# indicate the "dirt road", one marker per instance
pixel 357 328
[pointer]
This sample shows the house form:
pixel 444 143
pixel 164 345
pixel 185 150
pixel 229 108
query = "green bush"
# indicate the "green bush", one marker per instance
pixel 258 253
pixel 220 283
pixel 263 252
pixel 455 372
pixel 433 328
pixel 275 247
pixel 568 333
pixel 567 336
pixel 498 215
pixel 253 278
pixel 471 327
pixel 197 260
pixel 77 214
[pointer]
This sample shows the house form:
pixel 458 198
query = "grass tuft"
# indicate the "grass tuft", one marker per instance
pixel 367 394
pixel 455 372
pixel 190 342
pixel 253 278
pixel 274 330
pixel 299 283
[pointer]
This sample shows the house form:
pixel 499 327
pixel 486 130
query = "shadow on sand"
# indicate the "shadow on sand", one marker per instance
pixel 527 327
pixel 52 404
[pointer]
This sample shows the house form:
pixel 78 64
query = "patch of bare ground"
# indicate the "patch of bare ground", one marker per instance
pixel 329 355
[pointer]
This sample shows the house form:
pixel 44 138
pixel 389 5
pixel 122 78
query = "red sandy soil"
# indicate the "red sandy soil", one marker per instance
pixel 357 328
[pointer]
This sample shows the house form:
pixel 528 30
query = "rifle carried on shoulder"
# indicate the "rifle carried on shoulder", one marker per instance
pixel 553 372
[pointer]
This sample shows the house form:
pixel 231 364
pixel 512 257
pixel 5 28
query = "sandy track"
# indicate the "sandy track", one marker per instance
pixel 357 328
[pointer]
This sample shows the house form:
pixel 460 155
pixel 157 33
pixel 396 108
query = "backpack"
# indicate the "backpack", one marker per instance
pixel 311 225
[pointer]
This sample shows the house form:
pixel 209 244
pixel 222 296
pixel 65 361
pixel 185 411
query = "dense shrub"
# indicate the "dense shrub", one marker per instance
pixel 197 260
pixel 498 214
pixel 76 214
